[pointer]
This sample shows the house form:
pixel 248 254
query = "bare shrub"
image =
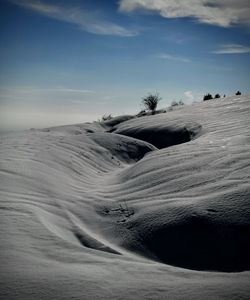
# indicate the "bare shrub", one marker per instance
pixel 151 101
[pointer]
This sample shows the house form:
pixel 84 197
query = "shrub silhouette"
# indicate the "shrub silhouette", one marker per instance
pixel 217 96
pixel 175 103
pixel 151 102
pixel 142 113
pixel 207 97
pixel 238 93
pixel 106 117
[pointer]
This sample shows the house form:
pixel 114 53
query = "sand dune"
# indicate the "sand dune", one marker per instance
pixel 155 207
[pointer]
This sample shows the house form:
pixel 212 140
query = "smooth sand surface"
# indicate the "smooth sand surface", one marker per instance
pixel 156 207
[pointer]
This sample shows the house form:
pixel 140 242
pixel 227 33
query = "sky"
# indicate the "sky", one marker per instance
pixel 65 62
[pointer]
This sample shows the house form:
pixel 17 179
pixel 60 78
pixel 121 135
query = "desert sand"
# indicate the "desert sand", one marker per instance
pixel 153 207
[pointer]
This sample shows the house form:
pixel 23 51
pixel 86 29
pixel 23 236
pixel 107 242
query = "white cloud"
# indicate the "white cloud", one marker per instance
pixel 193 96
pixel 232 49
pixel 215 12
pixel 173 57
pixel 85 20
pixel 189 95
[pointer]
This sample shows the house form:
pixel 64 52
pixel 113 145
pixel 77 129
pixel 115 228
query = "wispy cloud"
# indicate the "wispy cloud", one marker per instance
pixel 30 90
pixel 67 90
pixel 85 20
pixel 215 12
pixel 168 56
pixel 189 95
pixel 48 95
pixel 232 49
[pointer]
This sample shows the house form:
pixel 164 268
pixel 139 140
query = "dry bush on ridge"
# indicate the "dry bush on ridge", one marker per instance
pixel 151 101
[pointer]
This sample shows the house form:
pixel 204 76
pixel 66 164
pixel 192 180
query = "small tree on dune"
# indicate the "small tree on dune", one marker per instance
pixel 151 101
pixel 217 96
pixel 238 93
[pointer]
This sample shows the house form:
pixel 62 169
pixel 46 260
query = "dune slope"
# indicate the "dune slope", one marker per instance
pixel 132 208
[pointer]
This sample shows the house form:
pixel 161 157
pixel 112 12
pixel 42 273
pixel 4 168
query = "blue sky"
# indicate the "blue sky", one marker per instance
pixel 73 61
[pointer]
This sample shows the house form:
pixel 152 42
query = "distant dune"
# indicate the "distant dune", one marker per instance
pixel 153 207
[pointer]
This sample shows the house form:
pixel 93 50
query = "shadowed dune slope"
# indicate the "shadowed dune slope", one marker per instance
pixel 192 199
pixel 149 200
pixel 160 135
